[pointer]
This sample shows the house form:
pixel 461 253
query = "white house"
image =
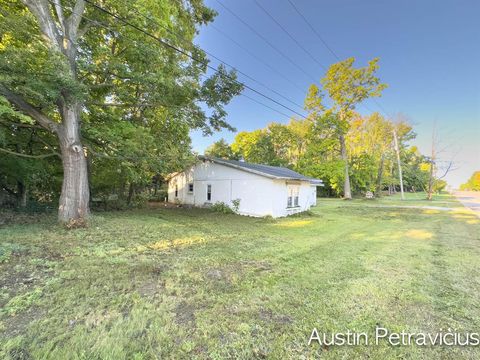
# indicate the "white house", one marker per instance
pixel 261 190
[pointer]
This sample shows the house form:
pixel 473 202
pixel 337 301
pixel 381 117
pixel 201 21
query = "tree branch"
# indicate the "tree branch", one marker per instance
pixel 82 31
pixel 29 109
pixel 447 170
pixel 73 22
pixel 41 10
pixel 59 10
pixel 30 156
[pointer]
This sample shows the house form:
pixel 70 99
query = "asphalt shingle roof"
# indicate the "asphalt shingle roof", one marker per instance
pixel 266 170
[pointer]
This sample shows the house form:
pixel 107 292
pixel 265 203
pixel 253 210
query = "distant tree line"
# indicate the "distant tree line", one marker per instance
pixel 473 184
pixel 349 152
pixel 309 147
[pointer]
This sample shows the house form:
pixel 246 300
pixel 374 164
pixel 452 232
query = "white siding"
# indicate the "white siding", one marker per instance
pixel 259 195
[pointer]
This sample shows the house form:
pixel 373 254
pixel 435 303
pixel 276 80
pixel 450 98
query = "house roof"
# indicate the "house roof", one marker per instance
pixel 273 172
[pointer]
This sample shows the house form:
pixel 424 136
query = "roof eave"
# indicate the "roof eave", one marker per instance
pixel 225 163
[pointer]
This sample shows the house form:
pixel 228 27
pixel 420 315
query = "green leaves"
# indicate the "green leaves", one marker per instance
pixel 8 113
pixel 222 150
pixel 139 97
pixel 347 86
pixel 473 184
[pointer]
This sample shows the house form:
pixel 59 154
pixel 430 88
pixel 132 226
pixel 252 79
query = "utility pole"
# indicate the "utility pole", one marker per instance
pixel 431 177
pixel 397 150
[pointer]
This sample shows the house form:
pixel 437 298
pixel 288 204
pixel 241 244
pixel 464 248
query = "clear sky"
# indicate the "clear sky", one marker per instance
pixel 429 54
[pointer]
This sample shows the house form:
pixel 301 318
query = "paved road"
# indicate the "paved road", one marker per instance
pixel 469 199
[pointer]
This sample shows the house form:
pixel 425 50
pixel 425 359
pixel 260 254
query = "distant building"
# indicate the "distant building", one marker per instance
pixel 262 190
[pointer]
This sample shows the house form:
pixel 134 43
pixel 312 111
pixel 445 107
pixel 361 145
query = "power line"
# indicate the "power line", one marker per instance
pixel 221 61
pixel 290 35
pixel 189 56
pixel 252 54
pixel 161 104
pixel 183 52
pixel 381 107
pixel 313 29
pixel 267 106
pixel 266 40
pixel 329 49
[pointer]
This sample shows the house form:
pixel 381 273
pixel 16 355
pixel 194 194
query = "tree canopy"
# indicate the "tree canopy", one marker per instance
pixel 66 68
pixel 311 147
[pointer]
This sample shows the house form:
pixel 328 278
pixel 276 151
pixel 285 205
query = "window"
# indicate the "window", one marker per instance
pixel 209 192
pixel 292 198
pixel 190 188
pixel 176 190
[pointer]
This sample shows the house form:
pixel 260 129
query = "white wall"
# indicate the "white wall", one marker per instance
pixel 314 195
pixel 259 195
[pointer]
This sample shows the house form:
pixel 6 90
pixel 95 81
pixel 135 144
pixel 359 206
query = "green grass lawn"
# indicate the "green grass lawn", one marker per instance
pixel 178 283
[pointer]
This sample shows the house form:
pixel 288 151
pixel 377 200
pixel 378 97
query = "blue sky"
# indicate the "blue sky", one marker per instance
pixel 429 56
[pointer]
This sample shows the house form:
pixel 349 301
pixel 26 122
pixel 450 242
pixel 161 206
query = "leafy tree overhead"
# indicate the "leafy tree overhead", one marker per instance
pixel 108 93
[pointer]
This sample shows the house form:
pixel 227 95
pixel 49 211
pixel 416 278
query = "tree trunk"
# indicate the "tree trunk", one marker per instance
pixel 21 194
pixel 431 178
pixel 430 183
pixel 75 192
pixel 399 164
pixel 89 176
pixel 343 151
pixel 131 191
pixel 378 189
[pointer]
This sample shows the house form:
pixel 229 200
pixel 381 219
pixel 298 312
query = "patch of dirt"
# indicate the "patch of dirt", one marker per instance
pixel 185 314
pixel 94 319
pixel 215 274
pixel 18 323
pixel 149 283
pixel 236 269
pixel 257 266
pixel 151 288
pixel 269 316
pixel 15 282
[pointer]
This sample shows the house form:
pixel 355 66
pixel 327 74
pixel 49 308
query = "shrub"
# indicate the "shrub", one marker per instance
pixel 221 207
pixel 139 200
pixel 236 205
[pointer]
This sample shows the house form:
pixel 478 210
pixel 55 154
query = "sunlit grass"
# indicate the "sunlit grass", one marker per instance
pixel 419 234
pixel 295 223
pixel 189 283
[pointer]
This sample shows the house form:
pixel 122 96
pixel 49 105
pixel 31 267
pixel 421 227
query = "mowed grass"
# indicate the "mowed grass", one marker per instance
pixel 189 283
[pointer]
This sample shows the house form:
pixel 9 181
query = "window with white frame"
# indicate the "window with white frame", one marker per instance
pixel 190 188
pixel 293 192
